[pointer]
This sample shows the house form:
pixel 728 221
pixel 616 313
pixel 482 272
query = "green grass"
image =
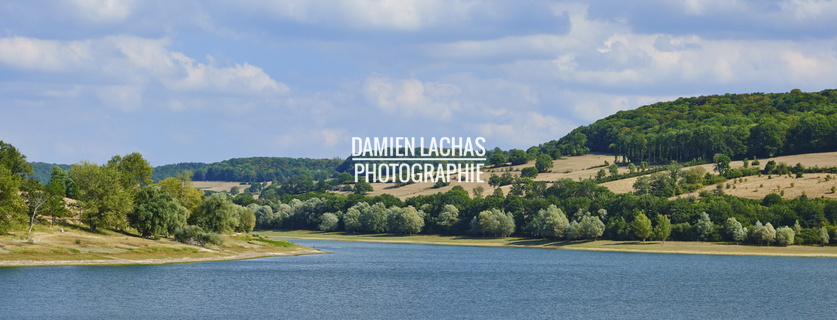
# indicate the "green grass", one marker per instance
pixel 269 242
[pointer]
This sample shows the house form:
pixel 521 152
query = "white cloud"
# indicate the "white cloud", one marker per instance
pixel 44 55
pixel 103 10
pixel 118 68
pixel 412 97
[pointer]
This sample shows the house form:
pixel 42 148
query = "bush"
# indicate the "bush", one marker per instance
pixel 195 235
pixel 785 236
pixel 529 172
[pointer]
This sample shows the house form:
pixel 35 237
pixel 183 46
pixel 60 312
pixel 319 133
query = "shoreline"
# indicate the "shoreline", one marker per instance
pixel 74 246
pixel 152 261
pixel 669 247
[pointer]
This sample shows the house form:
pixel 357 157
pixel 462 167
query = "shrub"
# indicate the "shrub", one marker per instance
pixel 195 235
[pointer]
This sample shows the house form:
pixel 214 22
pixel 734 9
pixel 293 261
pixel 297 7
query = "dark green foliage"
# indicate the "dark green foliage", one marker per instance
pixel 12 159
pixel 43 171
pixel 737 125
pixel 197 236
pixel 362 187
pixel 156 213
pixel 258 169
pixel 216 213
pixel 543 163
pixel 497 158
pixel 518 157
pixel 529 172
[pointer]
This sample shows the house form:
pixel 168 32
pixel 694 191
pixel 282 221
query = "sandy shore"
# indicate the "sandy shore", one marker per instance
pixel 669 247
pixel 117 261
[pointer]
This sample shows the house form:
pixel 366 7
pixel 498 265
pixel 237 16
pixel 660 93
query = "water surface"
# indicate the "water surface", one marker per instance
pixel 382 280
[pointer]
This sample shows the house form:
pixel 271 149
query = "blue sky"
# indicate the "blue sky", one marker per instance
pixel 189 81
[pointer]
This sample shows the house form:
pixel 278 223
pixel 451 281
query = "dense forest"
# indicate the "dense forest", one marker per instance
pixel 737 125
pixel 257 169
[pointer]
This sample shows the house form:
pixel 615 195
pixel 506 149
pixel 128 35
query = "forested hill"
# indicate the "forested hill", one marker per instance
pixel 738 125
pixel 42 170
pixel 258 169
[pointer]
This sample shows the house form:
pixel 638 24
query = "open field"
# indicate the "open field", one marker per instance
pixel 218 186
pixel 567 167
pixel 76 246
pixel 601 245
pixel 812 185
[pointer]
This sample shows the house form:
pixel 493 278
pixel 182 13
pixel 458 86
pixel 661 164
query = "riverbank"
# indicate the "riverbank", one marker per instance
pixel 675 247
pixel 76 246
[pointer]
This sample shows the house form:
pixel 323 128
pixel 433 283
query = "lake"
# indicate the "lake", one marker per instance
pixel 386 281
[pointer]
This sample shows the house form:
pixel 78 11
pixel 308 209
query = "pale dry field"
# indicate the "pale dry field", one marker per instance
pixel 812 184
pixel 218 186
pixel 567 167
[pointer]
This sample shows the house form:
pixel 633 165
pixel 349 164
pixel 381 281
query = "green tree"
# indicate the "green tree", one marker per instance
pixel 103 199
pixel 614 170
pixel 182 189
pixel 13 160
pixel 448 217
pixel 216 213
pixel 641 226
pixel 373 219
pixel 755 233
pixel 721 163
pixel 246 219
pixel 631 168
pixel 57 182
pixel 497 158
pixel 601 174
pixel 493 223
pixel 351 220
pixel 265 217
pixel 478 191
pixel 543 163
pixel 135 171
pixel 590 227
pixel 785 236
pixel 328 222
pixel 362 187
pixel 529 172
pixel 549 223
pixel 663 228
pixel 407 221
pixel 156 213
pixel 823 236
pixel 517 157
pixel 768 233
pixel 12 208
pixel 704 227
pixel 734 230
pixel 57 189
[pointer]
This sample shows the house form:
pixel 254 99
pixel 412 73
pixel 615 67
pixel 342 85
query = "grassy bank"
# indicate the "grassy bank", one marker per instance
pixel 76 246
pixel 601 245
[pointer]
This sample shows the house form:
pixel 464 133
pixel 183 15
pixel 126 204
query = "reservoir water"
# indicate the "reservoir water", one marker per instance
pixel 388 281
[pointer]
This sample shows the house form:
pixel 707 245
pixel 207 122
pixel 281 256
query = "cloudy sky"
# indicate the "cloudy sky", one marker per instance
pixel 184 81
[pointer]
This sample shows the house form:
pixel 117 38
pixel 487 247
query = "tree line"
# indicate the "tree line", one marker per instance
pixel 121 195
pixel 256 169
